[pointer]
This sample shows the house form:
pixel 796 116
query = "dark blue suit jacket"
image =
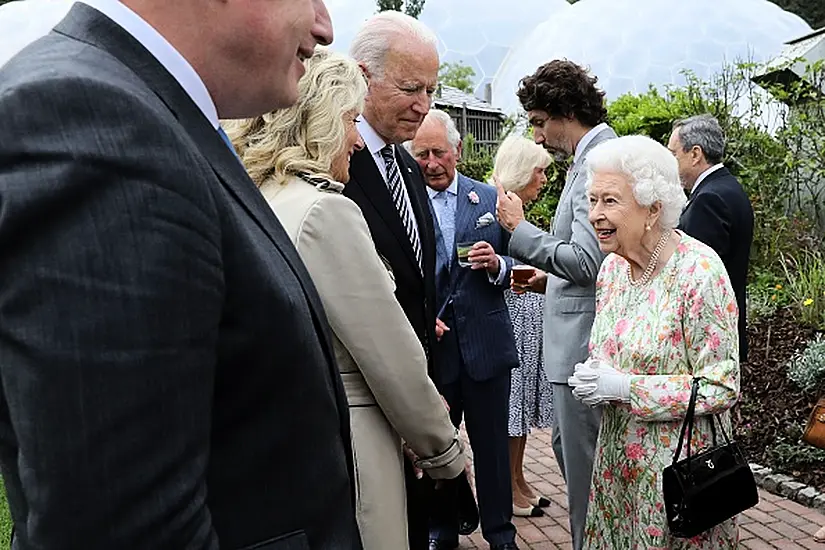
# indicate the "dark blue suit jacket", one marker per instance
pixel 481 333
pixel 720 215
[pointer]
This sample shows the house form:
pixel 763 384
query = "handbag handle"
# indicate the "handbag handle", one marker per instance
pixel 687 424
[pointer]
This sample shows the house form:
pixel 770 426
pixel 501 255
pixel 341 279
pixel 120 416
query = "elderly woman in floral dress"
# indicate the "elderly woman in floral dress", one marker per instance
pixel 665 314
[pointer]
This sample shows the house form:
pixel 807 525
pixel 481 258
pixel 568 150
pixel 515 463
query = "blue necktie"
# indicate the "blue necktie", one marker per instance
pixel 446 220
pixel 227 141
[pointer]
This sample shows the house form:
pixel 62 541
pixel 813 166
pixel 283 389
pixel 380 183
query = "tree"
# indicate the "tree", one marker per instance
pixel 410 7
pixel 458 75
pixel 811 11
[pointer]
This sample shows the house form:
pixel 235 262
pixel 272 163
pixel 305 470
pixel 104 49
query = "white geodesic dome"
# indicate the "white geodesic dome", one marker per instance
pixel 631 44
pixel 347 17
pixel 24 21
pixel 480 33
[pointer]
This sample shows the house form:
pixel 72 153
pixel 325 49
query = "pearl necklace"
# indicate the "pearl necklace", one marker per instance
pixel 651 265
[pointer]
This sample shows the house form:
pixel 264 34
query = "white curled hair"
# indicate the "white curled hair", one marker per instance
pixel 651 168
pixel 381 32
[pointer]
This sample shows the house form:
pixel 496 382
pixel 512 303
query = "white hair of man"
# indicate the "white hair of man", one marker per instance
pixel 380 32
pixel 453 135
pixel 652 170
pixel 516 159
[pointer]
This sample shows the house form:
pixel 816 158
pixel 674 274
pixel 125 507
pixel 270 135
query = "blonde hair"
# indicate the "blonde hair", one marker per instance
pixel 516 159
pixel 306 137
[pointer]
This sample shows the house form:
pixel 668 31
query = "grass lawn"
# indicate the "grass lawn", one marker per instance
pixel 5 518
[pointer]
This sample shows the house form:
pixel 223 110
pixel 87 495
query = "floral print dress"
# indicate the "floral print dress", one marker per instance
pixel 681 325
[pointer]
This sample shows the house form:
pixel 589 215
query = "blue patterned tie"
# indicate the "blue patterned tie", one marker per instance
pixel 446 220
pixel 227 141
pixel 398 191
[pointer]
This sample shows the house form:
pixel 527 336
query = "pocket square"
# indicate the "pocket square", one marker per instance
pixel 485 220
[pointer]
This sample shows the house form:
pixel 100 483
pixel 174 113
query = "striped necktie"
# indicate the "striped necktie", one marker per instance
pixel 398 191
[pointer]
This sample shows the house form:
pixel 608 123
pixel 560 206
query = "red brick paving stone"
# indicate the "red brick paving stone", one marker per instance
pixel 775 523
pixel 761 531
pixel 757 544
pixel 788 531
pixel 787 545
pixel 790 517
pixel 758 515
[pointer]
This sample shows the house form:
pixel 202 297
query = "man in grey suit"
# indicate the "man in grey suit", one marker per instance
pixel 167 379
pixel 566 111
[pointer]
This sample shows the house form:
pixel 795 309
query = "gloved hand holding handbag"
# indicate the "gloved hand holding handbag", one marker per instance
pixel 595 382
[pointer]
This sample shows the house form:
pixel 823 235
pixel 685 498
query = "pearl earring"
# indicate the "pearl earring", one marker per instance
pixel 647 228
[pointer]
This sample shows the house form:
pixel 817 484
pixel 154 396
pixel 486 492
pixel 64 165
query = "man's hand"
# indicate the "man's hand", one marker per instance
pixel 483 256
pixel 419 473
pixel 509 209
pixel 440 329
pixel 537 283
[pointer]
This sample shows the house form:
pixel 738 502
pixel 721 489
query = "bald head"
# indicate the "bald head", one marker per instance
pixel 253 58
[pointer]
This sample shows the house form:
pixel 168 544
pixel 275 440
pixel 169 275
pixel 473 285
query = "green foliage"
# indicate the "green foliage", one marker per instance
pixel 810 10
pixel 806 369
pixel 540 213
pixel 410 7
pixel 786 453
pixel 476 161
pixel 805 275
pixel 5 518
pixel 458 75
pixel 765 295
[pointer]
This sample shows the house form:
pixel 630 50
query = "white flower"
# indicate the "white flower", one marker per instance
pixel 473 196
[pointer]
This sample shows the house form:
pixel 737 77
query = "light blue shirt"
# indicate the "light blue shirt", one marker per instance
pixel 444 205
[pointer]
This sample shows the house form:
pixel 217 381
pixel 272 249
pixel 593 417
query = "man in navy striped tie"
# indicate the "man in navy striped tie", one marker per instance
pixel 398 57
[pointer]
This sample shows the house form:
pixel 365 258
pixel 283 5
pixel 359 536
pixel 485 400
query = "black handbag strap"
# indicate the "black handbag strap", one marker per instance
pixel 687 424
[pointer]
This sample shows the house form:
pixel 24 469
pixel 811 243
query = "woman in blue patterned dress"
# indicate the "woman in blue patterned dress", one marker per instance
pixel 519 167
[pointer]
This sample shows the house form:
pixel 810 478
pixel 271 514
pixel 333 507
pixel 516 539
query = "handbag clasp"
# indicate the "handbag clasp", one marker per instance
pixel 709 462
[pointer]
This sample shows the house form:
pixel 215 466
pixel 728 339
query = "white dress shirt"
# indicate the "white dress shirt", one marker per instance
pixel 586 139
pixel 163 51
pixel 705 174
pixel 374 144
pixel 444 204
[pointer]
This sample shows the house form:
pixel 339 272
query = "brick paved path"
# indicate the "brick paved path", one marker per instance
pixel 775 523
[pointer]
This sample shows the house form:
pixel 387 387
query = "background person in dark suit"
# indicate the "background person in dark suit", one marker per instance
pixel 166 366
pixel 398 56
pixel 718 211
pixel 476 349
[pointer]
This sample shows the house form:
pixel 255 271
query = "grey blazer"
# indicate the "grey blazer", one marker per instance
pixel 167 375
pixel 571 257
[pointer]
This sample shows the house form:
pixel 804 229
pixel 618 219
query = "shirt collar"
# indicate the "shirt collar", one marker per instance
pixel 705 174
pixel 163 51
pixel 452 189
pixel 586 139
pixel 372 140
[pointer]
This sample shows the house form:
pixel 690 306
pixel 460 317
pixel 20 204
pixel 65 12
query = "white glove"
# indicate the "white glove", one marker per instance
pixel 595 382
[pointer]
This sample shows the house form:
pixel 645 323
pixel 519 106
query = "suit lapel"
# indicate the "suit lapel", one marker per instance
pixel 464 220
pixel 372 183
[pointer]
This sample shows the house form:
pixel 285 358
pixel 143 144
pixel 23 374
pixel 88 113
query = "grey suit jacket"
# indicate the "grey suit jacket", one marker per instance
pixel 167 377
pixel 571 257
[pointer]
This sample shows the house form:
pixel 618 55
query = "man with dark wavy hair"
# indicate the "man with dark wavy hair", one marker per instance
pixel 567 113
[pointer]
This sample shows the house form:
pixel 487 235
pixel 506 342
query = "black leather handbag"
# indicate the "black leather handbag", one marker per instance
pixel 707 488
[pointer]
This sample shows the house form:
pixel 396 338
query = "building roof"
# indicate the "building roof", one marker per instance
pixel 791 64
pixel 448 96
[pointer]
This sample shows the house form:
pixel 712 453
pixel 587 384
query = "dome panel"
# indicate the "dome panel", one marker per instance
pixel 631 44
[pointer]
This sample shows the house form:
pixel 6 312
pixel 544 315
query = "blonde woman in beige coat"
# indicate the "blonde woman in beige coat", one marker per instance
pixel 299 157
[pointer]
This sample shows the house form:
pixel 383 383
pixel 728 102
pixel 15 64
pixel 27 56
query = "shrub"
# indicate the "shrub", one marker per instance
pixel 805 275
pixel 765 295
pixel 806 369
pixel 476 162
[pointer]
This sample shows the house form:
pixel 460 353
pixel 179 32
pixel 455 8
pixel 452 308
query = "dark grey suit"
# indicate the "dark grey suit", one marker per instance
pixel 166 369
